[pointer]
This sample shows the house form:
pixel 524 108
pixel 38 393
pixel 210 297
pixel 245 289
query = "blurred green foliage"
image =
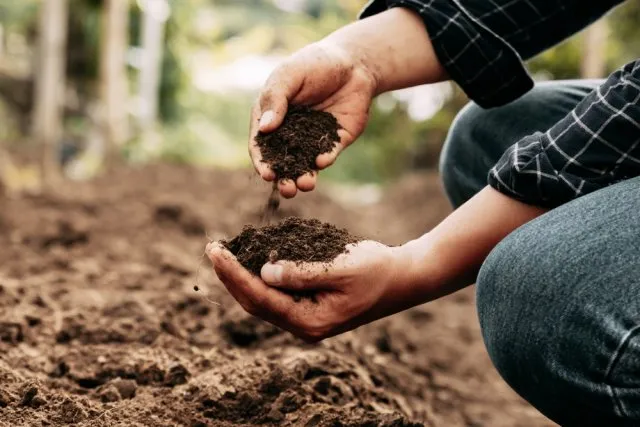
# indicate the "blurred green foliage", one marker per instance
pixel 212 126
pixel 393 142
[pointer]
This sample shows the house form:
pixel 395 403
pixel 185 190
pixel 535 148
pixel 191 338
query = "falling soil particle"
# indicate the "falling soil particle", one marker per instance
pixel 293 239
pixel 272 206
pixel 291 150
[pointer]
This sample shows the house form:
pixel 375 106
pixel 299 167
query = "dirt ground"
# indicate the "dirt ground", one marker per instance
pixel 100 325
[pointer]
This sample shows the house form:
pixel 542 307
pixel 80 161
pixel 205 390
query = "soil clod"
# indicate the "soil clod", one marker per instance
pixel 293 239
pixel 291 150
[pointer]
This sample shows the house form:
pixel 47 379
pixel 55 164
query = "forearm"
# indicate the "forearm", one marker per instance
pixel 449 257
pixel 394 47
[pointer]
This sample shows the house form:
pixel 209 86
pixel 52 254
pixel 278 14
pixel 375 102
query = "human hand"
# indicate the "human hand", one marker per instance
pixel 365 284
pixel 324 77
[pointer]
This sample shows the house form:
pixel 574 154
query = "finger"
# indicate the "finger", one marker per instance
pixel 307 182
pixel 263 169
pixel 280 88
pixel 253 294
pixel 325 160
pixel 258 299
pixel 287 188
pixel 312 276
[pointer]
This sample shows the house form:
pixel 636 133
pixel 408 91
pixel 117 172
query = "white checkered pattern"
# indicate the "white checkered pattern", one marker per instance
pixel 595 145
pixel 482 44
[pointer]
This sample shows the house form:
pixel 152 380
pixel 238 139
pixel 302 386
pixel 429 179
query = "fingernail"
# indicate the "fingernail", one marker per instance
pixel 209 247
pixel 266 119
pixel 272 273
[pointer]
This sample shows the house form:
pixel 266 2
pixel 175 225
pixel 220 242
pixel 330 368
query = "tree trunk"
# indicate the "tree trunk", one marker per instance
pixel 156 13
pixel 113 77
pixel 50 86
pixel 594 51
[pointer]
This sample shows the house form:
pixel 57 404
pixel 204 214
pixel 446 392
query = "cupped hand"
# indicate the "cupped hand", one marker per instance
pixel 365 284
pixel 324 77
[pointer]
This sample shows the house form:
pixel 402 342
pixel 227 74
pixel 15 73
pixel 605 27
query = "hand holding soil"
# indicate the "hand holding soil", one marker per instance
pixel 346 285
pixel 326 79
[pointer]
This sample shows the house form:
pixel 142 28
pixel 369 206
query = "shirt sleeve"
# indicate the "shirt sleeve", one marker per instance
pixel 481 44
pixel 595 145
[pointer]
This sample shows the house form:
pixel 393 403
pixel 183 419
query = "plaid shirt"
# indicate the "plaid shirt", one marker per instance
pixel 482 44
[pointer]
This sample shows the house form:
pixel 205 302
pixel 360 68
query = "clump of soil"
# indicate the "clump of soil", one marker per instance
pixel 293 239
pixel 291 150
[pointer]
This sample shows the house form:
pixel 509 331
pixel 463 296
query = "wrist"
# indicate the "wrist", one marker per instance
pixel 353 58
pixel 414 275
pixel 394 47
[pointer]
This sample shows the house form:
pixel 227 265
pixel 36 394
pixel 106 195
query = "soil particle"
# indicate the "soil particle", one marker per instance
pixel 176 375
pixel 59 370
pixel 11 332
pixel 71 412
pixel 126 388
pixel 151 374
pixel 293 239
pixel 108 393
pixel 272 206
pixel 29 396
pixel 5 399
pixel 171 213
pixel 66 234
pixel 248 331
pixel 291 150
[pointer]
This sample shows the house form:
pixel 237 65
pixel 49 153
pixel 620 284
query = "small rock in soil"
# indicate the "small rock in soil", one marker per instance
pixel 71 412
pixel 28 395
pixel 11 332
pixel 5 399
pixel 108 393
pixel 126 388
pixel 291 150
pixel 150 374
pixel 177 375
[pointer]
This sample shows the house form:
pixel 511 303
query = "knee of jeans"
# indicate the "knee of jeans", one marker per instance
pixel 497 308
pixel 459 149
pixel 539 332
pixel 512 322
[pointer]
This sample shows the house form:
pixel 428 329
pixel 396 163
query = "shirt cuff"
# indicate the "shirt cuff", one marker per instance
pixel 485 66
pixel 528 173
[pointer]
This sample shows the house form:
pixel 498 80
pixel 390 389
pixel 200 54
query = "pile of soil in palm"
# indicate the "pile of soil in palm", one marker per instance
pixel 291 150
pixel 292 239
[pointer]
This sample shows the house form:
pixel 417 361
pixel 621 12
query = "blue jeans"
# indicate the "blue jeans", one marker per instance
pixel 559 298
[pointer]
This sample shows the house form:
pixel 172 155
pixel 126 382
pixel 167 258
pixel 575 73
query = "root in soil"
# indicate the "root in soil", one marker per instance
pixel 293 239
pixel 291 150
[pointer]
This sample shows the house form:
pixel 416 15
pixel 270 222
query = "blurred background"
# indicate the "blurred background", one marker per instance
pixel 89 84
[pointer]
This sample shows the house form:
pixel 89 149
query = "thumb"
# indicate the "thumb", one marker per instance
pixel 273 107
pixel 294 276
pixel 280 88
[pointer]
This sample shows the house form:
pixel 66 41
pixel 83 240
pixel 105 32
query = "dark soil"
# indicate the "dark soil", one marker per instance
pixel 100 325
pixel 292 239
pixel 291 150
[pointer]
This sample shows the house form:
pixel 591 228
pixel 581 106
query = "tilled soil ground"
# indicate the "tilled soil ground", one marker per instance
pixel 100 325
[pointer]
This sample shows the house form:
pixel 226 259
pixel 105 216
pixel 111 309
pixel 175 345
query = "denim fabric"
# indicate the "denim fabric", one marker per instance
pixel 559 298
